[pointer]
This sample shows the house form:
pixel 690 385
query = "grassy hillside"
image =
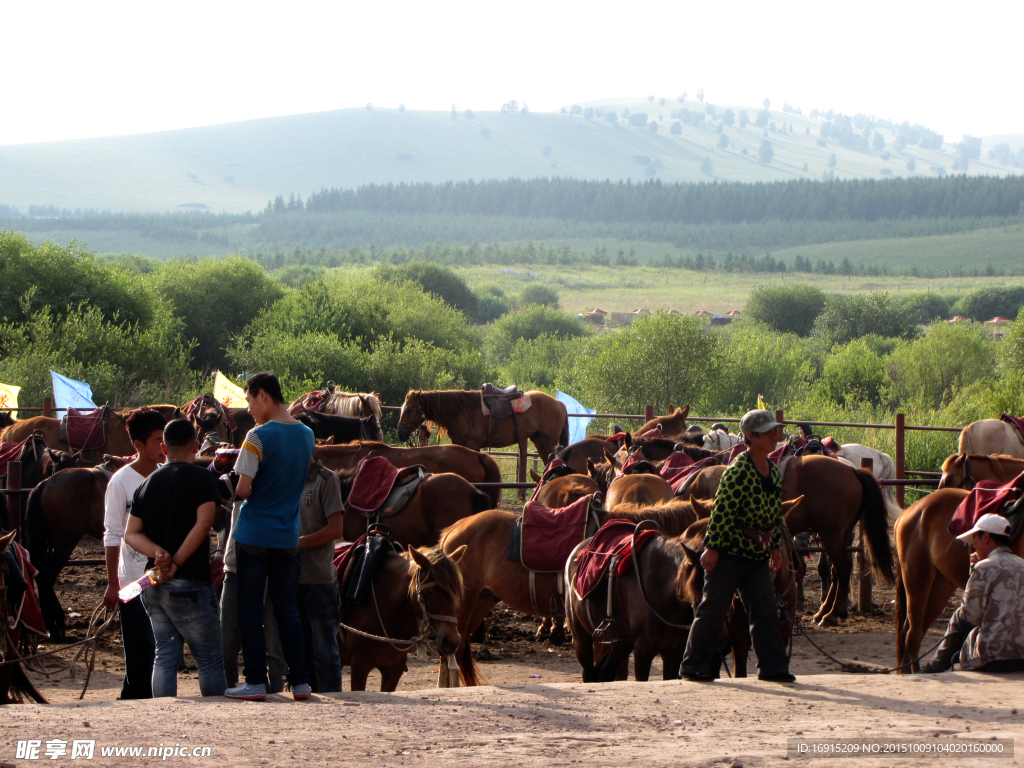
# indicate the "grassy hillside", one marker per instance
pixel 239 166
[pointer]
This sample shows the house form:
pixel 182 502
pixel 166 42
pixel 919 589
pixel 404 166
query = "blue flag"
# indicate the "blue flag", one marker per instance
pixel 68 393
pixel 577 427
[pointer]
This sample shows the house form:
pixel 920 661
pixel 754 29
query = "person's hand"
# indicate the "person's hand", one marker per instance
pixel 110 596
pixel 162 559
pixel 709 559
pixel 167 573
pixel 974 558
pixel 776 561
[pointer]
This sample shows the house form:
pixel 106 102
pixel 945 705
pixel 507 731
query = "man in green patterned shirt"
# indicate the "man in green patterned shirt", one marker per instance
pixel 741 551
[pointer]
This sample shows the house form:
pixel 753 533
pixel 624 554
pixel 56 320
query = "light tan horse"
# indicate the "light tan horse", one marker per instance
pixel 673 425
pixel 356 405
pixel 991 436
pixel 116 440
pixel 962 470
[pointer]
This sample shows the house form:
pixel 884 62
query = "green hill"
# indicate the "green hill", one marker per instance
pixel 239 166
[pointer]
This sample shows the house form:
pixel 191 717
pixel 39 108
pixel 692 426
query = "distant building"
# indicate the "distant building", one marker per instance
pixel 959 319
pixel 996 327
pixel 734 313
pixel 702 313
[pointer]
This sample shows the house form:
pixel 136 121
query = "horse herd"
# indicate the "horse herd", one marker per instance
pixel 457 569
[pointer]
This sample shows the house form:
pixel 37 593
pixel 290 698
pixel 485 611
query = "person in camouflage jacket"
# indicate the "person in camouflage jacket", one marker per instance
pixel 986 631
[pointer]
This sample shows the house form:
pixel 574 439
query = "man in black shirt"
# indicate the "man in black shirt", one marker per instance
pixel 170 523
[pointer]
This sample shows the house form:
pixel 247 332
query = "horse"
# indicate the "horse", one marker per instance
pixel 414 594
pixel 576 455
pixel 932 566
pixel 991 437
pixel 14 683
pixel 703 484
pixel 962 470
pixel 474 466
pixel 490 577
pixel 563 491
pixel 341 429
pixel 649 618
pixel 546 424
pixel 439 501
pixel 837 496
pixel 673 425
pixel 115 432
pixel 208 415
pixel 356 405
pixel 720 440
pixel 882 465
pixel 39 462
pixel 6 420
pixel 639 488
pixel 737 624
pixel 243 423
pixel 168 411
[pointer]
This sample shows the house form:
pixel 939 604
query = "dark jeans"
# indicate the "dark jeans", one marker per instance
pixel 139 650
pixel 183 611
pixel 321 613
pixel 956 633
pixel 754 582
pixel 277 572
pixel 233 637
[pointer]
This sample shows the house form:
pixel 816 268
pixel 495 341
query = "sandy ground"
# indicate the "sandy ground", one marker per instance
pixel 535 712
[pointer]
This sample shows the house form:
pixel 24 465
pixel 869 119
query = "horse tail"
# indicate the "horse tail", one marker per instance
pixel 39 546
pixel 563 437
pixel 901 617
pixel 492 474
pixel 21 687
pixel 875 519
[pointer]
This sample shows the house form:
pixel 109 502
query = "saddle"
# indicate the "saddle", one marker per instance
pixel 9 452
pixel 22 590
pixel 677 477
pixel 613 540
pixel 502 403
pixel 548 536
pixel 991 497
pixel 358 563
pixel 84 430
pixel 636 464
pixel 555 469
pixel 1013 421
pixel 312 401
pixel 381 489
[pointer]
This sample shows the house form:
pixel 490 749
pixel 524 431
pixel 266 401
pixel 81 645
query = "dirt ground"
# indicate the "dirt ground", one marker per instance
pixel 535 712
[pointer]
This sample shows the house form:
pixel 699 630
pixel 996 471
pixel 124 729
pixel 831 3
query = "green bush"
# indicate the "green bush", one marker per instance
pixel 536 293
pixel 854 372
pixel 986 303
pixel 786 308
pixel 439 281
pixel 925 308
pixel 760 362
pixel 535 363
pixel 298 275
pixel 530 323
pixel 846 318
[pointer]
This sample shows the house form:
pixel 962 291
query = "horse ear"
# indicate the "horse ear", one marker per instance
pixel 686 411
pixel 628 440
pixel 458 554
pixel 789 506
pixel 608 454
pixel 534 476
pixel 591 469
pixel 700 507
pixel 5 541
pixel 419 558
pixel 691 555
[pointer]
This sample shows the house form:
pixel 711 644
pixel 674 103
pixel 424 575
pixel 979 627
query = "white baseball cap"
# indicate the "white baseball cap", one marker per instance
pixel 996 524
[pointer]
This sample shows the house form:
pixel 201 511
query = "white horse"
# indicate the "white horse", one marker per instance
pixel 991 436
pixel 720 440
pixel 882 465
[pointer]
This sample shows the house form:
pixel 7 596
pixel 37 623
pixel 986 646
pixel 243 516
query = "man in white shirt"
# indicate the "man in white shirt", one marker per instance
pixel 124 564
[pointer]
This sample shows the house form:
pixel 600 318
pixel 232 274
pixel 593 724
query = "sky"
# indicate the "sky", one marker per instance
pixel 77 70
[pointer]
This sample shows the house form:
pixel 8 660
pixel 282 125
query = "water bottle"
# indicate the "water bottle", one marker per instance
pixel 134 589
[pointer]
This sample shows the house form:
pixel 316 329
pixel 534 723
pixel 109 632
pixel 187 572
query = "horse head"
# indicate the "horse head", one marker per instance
pixel 690 578
pixel 369 429
pixel 436 588
pixel 956 472
pixel 411 416
pixel 602 474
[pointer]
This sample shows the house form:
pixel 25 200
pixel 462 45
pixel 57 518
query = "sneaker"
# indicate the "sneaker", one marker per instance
pixel 697 677
pixel 301 691
pixel 247 692
pixel 778 677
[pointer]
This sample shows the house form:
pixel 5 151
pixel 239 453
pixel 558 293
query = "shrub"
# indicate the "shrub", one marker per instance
pixel 439 281
pixel 986 303
pixel 853 373
pixel 530 323
pixel 786 308
pixel 929 371
pixel 924 308
pixel 537 293
pixel 845 318
pixel 760 362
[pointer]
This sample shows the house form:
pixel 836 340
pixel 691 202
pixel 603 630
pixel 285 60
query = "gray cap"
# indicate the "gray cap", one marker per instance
pixel 757 421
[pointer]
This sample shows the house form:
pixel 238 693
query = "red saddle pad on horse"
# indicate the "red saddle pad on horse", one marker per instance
pixel 9 452
pixel 312 401
pixel 653 434
pixel 549 535
pixel 613 538
pixel 374 480
pixel 85 429
pixel 1014 421
pixel 676 476
pixel 29 613
pixel 987 497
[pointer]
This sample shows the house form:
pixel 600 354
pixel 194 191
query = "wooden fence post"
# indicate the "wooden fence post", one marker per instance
pixel 14 500
pixel 900 457
pixel 47 407
pixel 648 412
pixel 863 569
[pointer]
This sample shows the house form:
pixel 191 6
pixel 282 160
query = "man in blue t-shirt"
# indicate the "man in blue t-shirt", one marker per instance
pixel 272 467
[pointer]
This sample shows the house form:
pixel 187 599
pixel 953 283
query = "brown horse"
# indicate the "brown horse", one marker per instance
pixel 117 442
pixel 563 491
pixel 737 624
pixel 474 466
pixel 168 411
pixel 640 488
pixel 703 484
pixel 963 470
pixel 990 437
pixel 649 619
pixel 209 416
pixel 14 683
pixel 837 496
pixel 592 448
pixel 932 566
pixel 414 594
pixel 459 412
pixel 439 501
pixel 673 425
pixel 490 577
pixel 243 423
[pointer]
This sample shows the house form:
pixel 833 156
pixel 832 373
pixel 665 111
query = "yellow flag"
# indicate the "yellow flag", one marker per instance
pixel 9 398
pixel 760 403
pixel 230 394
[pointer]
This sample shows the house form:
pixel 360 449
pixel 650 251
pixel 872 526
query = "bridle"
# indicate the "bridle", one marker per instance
pixel 967 479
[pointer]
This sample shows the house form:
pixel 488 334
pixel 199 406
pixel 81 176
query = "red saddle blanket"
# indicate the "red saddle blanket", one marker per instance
pixel 374 480
pixel 653 434
pixel 618 437
pixel 549 535
pixel 987 497
pixel 312 401
pixel 1014 421
pixel 9 452
pixel 29 614
pixel 676 476
pixel 613 538
pixel 737 449
pixel 343 551
pixel 85 429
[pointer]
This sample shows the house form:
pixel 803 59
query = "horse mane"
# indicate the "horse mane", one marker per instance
pixel 346 477
pixel 698 454
pixel 445 406
pixel 670 516
pixel 444 571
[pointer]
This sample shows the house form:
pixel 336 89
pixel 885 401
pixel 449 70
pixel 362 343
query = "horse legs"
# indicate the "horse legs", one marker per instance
pixel 360 671
pixel 738 626
pixel 389 677
pixel 672 661
pixel 483 606
pixel 643 657
pixel 546 627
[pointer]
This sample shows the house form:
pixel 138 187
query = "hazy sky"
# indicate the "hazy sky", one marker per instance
pixel 79 69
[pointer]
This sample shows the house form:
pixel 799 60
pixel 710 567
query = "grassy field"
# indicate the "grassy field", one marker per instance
pixel 239 166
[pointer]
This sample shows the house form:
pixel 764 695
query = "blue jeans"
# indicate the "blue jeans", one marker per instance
pixel 139 649
pixel 277 572
pixel 233 637
pixel 321 613
pixel 185 611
